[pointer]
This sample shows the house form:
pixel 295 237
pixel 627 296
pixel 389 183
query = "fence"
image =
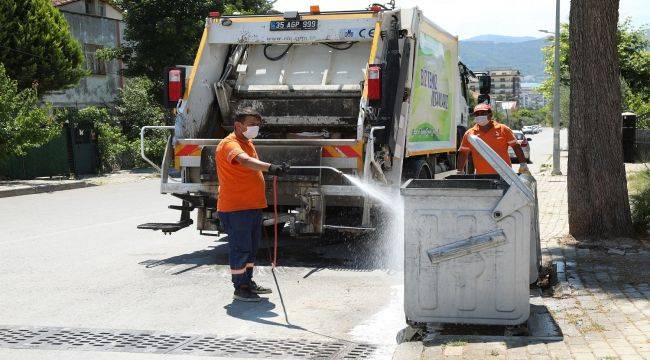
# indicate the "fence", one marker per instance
pixel 642 144
pixel 73 151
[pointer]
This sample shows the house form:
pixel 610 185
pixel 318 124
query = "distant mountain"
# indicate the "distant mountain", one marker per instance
pixel 526 56
pixel 501 38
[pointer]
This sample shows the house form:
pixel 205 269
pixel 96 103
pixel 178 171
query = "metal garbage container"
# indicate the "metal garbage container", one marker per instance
pixel 468 247
pixel 628 137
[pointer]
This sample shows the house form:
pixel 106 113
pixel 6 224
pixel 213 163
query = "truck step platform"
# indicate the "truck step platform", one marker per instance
pixel 167 228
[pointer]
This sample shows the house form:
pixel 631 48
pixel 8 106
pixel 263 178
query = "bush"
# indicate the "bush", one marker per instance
pixel 640 201
pixel 113 147
pixel 23 123
pixel 118 133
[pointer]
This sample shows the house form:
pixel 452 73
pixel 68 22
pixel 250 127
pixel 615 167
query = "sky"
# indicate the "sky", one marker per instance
pixel 468 18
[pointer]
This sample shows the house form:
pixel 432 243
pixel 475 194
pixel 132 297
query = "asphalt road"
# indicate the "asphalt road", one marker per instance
pixel 75 259
pixel 541 145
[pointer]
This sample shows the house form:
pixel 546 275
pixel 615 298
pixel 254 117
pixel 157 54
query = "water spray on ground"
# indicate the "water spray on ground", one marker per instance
pixel 389 236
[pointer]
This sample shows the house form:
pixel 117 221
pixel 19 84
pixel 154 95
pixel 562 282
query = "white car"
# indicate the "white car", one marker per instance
pixel 528 129
pixel 522 140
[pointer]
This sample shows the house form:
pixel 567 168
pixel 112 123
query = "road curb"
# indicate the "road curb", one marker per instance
pixel 409 351
pixel 45 188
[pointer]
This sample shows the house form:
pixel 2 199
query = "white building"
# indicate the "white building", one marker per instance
pixel 96 24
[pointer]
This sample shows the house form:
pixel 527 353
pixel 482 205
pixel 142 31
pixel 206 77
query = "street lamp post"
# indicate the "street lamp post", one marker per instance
pixel 556 93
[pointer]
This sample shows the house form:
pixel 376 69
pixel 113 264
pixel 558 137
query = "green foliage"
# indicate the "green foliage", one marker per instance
pixel 136 106
pixel 634 60
pixel 639 185
pixel 36 47
pixel 115 151
pixel 24 123
pixel 118 132
pixel 163 33
pixel 524 117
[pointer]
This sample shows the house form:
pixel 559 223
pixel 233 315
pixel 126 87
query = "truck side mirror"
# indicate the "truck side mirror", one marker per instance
pixel 484 84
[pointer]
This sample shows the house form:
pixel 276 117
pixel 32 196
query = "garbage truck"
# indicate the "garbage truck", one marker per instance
pixel 378 93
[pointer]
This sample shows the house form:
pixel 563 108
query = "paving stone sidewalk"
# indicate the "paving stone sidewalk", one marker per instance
pixel 601 302
pixel 26 187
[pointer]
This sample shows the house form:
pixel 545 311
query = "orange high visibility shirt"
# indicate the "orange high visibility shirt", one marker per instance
pixel 499 138
pixel 240 188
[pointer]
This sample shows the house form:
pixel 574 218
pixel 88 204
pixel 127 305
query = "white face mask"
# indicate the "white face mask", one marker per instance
pixel 251 132
pixel 481 120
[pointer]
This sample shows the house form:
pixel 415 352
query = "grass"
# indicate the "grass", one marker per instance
pixel 639 189
pixel 457 343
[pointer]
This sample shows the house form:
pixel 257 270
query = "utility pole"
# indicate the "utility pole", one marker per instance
pixel 556 93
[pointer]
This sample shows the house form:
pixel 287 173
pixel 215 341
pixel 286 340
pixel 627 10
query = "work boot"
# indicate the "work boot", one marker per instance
pixel 256 289
pixel 245 294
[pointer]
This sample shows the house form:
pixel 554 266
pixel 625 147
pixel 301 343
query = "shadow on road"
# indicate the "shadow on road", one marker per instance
pixel 361 253
pixel 258 312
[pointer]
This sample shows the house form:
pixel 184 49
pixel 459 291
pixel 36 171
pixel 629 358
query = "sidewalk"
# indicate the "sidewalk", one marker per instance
pixel 601 302
pixel 41 185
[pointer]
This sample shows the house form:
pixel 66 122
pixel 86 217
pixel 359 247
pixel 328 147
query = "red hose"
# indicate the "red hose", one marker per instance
pixel 275 223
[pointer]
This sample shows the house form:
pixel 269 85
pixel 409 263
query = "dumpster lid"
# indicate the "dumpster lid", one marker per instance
pixel 501 167
pixel 458 182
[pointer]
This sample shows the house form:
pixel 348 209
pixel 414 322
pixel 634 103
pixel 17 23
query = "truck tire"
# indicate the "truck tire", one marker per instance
pixel 417 169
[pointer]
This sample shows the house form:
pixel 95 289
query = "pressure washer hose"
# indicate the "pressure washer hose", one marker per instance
pixel 275 247
pixel 275 223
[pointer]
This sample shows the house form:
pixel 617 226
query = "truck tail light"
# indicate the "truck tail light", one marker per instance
pixel 174 85
pixel 374 83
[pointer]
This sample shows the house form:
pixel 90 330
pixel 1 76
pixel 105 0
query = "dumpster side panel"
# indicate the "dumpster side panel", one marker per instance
pixel 486 286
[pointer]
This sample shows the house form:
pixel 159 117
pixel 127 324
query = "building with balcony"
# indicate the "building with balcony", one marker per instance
pixel 506 84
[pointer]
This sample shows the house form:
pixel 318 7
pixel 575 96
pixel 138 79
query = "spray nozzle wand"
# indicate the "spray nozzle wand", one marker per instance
pixel 319 167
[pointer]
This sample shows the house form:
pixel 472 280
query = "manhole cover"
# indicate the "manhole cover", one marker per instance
pixel 170 343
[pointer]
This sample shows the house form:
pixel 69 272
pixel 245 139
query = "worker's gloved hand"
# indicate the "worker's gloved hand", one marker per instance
pixel 523 168
pixel 279 170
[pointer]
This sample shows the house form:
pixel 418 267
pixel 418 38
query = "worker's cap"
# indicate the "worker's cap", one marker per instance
pixel 483 107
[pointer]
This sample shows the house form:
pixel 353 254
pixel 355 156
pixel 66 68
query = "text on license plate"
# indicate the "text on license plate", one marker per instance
pixel 294 25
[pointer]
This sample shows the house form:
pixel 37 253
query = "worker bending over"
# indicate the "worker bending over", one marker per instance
pixel 498 136
pixel 241 199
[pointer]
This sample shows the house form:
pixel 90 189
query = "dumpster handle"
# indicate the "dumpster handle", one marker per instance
pixel 467 246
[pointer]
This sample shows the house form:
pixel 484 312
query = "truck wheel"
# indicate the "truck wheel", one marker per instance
pixel 417 169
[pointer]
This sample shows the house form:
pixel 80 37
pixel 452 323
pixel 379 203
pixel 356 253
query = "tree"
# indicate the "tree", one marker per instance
pixel 23 123
pixel 161 33
pixel 36 46
pixel 597 192
pixel 136 107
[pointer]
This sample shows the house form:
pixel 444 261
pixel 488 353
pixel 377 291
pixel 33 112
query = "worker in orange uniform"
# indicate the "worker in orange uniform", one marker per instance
pixel 498 136
pixel 241 199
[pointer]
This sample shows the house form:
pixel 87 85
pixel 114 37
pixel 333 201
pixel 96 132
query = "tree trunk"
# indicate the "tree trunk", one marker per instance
pixel 597 188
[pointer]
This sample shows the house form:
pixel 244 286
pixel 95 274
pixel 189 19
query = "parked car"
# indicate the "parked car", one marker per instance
pixel 528 129
pixel 537 129
pixel 522 140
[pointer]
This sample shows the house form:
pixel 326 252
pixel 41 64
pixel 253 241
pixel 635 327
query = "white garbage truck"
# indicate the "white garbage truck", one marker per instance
pixel 377 93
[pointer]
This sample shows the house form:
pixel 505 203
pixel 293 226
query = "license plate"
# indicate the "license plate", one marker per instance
pixel 283 25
